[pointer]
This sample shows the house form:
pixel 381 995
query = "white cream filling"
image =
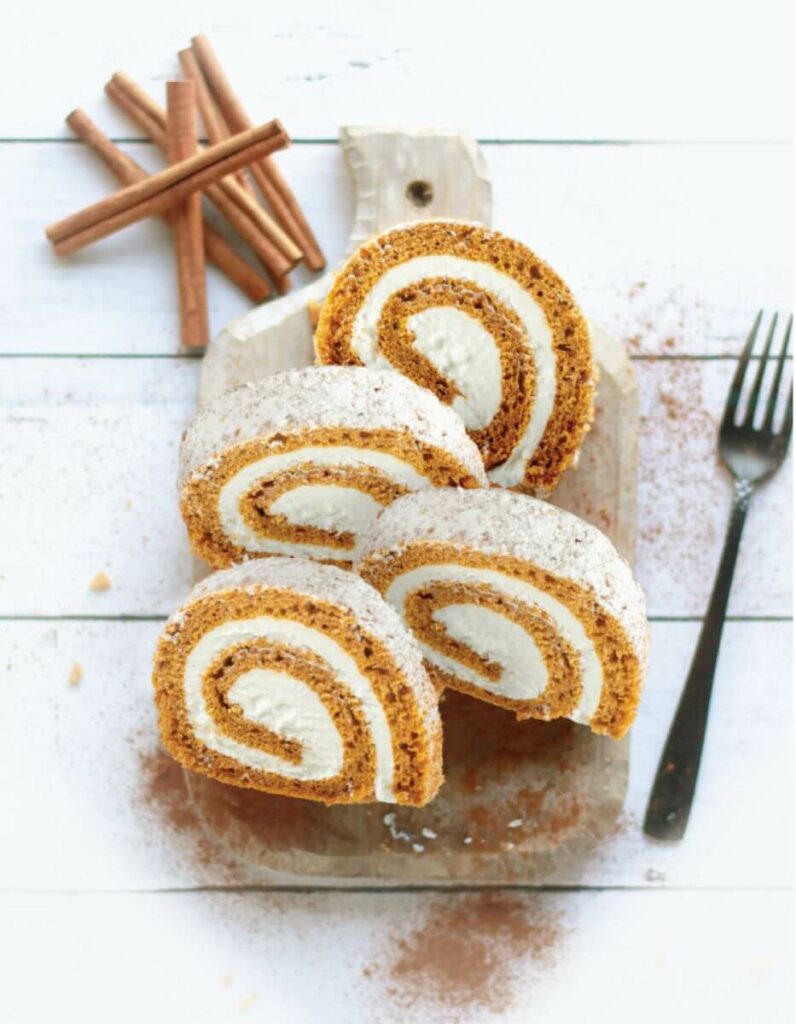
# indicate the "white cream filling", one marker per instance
pixel 523 672
pixel 270 702
pixel 328 507
pixel 361 507
pixel 465 353
pixel 290 708
pixel 364 339
pixel 499 640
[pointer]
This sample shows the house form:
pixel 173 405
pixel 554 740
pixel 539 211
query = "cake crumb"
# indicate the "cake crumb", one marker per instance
pixel 247 1003
pixel 101 581
pixel 428 833
pixel 75 674
pixel 226 981
pixel 515 823
pixel 314 313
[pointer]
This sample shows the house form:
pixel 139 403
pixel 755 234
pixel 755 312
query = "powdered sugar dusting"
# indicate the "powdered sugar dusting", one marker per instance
pixel 506 523
pixel 325 396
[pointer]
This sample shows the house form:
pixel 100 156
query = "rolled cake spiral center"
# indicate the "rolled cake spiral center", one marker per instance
pixel 259 509
pixel 535 620
pixel 515 326
pixel 270 706
pixel 470 350
pixel 507 646
pixel 267 696
pixel 319 505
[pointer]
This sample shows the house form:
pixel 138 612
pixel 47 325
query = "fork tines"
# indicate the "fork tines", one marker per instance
pixel 733 399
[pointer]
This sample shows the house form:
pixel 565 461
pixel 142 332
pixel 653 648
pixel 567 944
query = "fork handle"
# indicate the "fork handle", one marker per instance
pixel 675 782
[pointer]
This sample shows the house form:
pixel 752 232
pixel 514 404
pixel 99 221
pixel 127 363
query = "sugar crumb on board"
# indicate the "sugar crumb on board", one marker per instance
pixel 471 953
pixel 101 582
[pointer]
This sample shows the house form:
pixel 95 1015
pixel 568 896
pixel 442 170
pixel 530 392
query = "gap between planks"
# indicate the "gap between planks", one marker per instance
pixel 508 141
pixel 163 618
pixel 398 889
pixel 665 357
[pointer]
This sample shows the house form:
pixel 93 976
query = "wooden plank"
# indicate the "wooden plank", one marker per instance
pixel 92 445
pixel 94 805
pixel 653 239
pixel 99 493
pixel 413 957
pixel 565 70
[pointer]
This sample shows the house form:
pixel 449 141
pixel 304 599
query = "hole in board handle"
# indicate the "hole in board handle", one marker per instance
pixel 420 193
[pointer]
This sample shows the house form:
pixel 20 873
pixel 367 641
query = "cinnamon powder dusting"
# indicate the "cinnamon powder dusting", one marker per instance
pixel 470 954
pixel 163 790
pixel 656 318
pixel 163 793
pixel 677 460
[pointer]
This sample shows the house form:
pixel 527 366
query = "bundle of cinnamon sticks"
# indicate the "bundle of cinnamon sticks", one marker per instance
pixel 235 171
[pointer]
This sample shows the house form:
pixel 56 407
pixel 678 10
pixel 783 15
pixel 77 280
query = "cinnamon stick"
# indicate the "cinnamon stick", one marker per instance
pixel 159 191
pixel 211 118
pixel 275 189
pixel 271 258
pixel 182 143
pixel 217 250
pixel 215 128
pixel 277 251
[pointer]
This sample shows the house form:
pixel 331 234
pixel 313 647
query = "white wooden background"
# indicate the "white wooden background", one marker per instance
pixel 644 150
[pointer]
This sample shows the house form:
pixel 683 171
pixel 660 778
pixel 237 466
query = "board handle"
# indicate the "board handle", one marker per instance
pixel 401 176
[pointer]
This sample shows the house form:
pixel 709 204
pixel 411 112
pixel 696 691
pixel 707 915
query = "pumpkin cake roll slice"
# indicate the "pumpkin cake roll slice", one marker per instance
pixel 483 323
pixel 515 602
pixel 296 678
pixel 300 463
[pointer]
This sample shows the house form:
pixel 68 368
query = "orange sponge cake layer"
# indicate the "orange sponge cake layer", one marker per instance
pixel 515 602
pixel 296 678
pixel 301 463
pixel 479 320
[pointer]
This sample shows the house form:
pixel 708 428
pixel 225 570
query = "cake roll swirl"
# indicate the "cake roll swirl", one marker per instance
pixel 515 602
pixel 301 463
pixel 296 678
pixel 479 320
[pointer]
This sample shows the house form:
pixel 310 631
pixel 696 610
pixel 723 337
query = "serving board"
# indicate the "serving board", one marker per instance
pixel 521 799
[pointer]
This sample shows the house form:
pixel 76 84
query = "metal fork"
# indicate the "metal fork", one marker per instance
pixel 752 454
